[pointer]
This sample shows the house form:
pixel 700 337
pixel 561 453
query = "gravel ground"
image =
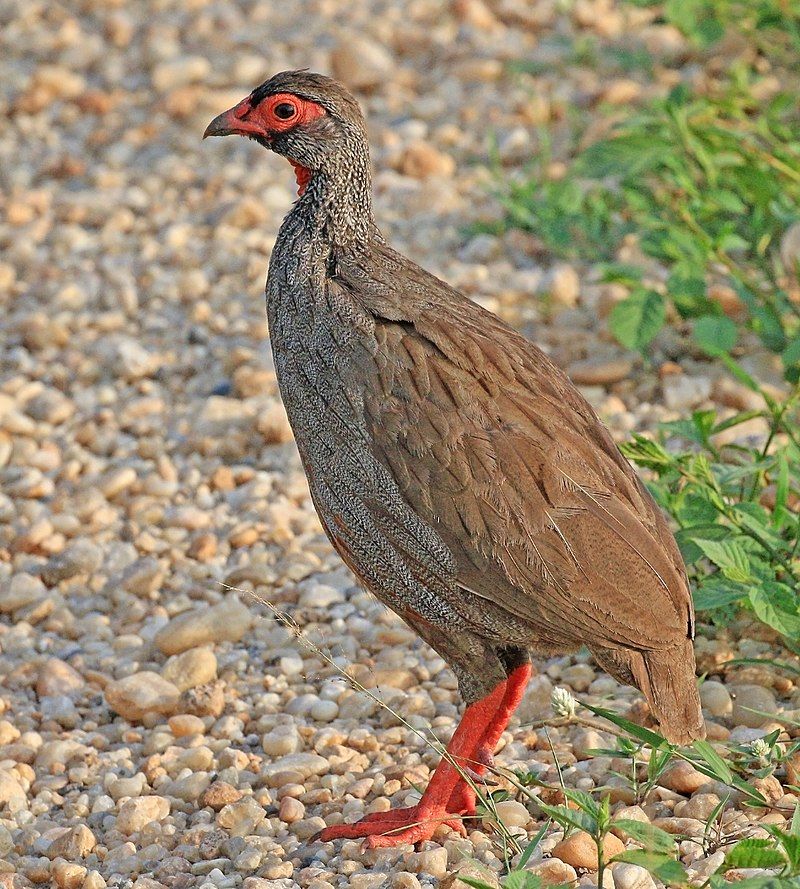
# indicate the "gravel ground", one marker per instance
pixel 156 729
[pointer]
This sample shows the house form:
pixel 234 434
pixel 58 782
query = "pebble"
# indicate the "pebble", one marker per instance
pixel 716 698
pixel 421 160
pixel 21 591
pixel 682 392
pixel 56 677
pixel 682 777
pixel 134 814
pixel 241 817
pixel 472 870
pixel 599 371
pixel 553 872
pixel 749 703
pixel 631 876
pixel 191 668
pixel 360 63
pixel 221 794
pixel 512 813
pixel 226 622
pixel 140 694
pixel 291 810
pixel 579 849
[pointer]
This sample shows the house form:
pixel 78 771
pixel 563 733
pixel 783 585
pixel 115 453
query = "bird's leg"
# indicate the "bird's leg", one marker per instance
pixel 481 726
pixel 463 797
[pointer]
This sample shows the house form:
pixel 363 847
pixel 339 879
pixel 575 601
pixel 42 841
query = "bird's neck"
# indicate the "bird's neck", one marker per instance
pixel 336 208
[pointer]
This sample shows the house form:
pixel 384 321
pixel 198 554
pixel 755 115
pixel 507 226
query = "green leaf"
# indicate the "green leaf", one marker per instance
pixel 667 869
pixel 522 879
pixel 570 817
pixel 645 452
pixel 639 732
pixel 776 605
pixel 718 592
pixel 714 761
pixel 729 556
pixel 637 319
pixel 533 844
pixel 754 853
pixel 652 838
pixel 475 883
pixel 716 335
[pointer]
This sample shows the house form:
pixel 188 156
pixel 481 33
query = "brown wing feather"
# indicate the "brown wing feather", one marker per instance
pixel 492 446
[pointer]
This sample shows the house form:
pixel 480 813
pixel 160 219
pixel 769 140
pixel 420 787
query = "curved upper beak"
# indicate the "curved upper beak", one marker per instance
pixel 224 124
pixel 234 122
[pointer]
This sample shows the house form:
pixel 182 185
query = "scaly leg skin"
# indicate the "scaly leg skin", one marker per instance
pixel 463 798
pixel 448 794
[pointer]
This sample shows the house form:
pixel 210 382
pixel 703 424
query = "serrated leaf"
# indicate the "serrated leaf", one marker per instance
pixel 716 335
pixel 753 852
pixel 776 605
pixel 522 879
pixel 652 838
pixel 729 556
pixel 637 319
pixel 667 869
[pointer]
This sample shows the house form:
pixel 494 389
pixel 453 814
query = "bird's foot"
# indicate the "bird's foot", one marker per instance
pixel 397 826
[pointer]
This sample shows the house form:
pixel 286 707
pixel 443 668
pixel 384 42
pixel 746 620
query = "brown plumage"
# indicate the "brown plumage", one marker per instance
pixel 456 469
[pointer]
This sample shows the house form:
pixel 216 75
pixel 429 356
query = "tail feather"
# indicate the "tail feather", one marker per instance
pixel 667 679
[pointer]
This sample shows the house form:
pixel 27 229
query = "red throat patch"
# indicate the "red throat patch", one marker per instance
pixel 303 176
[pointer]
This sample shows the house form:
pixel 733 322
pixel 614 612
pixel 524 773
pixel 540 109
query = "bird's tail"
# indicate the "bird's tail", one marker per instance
pixel 668 681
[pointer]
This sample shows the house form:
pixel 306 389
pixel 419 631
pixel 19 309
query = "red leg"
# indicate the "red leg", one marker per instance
pixel 482 724
pixel 463 798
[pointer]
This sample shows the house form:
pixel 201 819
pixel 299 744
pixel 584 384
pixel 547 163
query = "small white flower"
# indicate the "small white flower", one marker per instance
pixel 563 703
pixel 761 750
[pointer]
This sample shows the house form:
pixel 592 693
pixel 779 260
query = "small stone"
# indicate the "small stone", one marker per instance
pixel 432 861
pixel 700 806
pixel 173 74
pixel 136 813
pixel 143 577
pixel 68 875
pixel 682 392
pixel 135 696
pixel 242 817
pixel 21 591
pixel 226 622
pixel 283 739
pixel 75 843
pixel 512 813
pixel 600 371
pixel 12 793
pixel 565 286
pixel 82 557
pixel 553 872
pixel 473 870
pixel 186 724
pixel 56 677
pixel 324 711
pixel 682 777
pixel 580 851
pixel 421 160
pixel 631 876
pixel 360 63
pixel 221 794
pixel 203 700
pixel 716 698
pixel 291 810
pixel 304 764
pixel 749 703
pixel 191 668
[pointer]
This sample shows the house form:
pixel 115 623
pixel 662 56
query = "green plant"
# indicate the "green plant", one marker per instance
pixel 706 179
pixel 735 507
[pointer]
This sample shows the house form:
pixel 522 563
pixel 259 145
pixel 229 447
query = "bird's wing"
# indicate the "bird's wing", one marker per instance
pixel 493 447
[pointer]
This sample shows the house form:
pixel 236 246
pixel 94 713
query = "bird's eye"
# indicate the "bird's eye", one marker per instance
pixel 285 111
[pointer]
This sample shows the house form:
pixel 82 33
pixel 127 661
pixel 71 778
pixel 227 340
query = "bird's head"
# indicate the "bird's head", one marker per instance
pixel 308 118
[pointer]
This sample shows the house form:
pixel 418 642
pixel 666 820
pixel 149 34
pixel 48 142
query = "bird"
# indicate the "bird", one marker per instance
pixel 455 468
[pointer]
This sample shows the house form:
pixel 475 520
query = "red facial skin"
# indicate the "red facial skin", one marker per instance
pixel 262 121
